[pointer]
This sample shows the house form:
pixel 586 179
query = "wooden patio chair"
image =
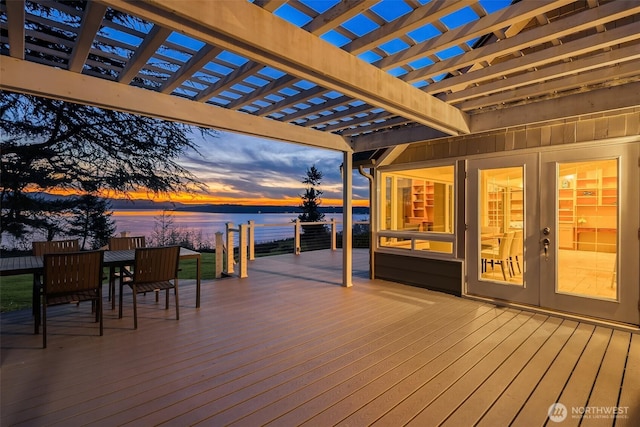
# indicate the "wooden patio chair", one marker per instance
pixel 55 247
pixel 501 255
pixel 122 244
pixel 126 243
pixel 155 269
pixel 70 278
pixel 49 247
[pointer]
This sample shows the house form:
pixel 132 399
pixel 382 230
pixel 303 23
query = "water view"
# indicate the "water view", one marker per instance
pixel 142 222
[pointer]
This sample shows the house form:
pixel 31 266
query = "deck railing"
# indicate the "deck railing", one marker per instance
pixel 244 242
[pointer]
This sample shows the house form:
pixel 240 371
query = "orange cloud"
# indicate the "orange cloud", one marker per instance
pixel 195 199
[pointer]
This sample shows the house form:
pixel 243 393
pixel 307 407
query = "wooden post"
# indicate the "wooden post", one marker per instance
pixel 230 260
pixel 252 240
pixel 347 219
pixel 334 230
pixel 296 237
pixel 242 249
pixel 219 254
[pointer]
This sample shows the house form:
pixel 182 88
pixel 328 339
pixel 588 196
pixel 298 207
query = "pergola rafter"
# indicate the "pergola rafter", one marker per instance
pixel 414 68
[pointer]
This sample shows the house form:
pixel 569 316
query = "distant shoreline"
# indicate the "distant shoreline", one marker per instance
pixel 265 209
pixel 141 204
pixel 223 208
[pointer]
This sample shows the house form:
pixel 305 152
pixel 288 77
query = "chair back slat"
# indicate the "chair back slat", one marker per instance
pixel 126 243
pixel 517 243
pixel 72 272
pixel 156 264
pixel 55 247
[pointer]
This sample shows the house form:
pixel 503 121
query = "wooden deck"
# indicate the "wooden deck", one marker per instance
pixel 290 346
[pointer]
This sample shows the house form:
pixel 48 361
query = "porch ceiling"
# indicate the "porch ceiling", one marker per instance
pixel 344 75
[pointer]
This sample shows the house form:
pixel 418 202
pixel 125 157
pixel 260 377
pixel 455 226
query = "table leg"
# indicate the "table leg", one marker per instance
pixel 198 281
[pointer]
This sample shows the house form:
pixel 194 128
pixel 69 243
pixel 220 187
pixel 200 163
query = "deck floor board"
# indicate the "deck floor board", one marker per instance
pixel 290 346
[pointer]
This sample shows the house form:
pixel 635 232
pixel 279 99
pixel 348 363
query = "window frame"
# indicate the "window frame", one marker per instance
pixel 414 237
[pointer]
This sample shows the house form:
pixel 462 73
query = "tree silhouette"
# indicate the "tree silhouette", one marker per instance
pixel 54 146
pixel 310 206
pixel 91 221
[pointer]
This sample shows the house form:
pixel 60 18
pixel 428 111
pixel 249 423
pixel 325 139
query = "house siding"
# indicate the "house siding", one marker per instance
pixel 436 275
pixel 585 129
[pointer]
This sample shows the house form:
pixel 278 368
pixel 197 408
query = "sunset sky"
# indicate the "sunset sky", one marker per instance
pixel 241 169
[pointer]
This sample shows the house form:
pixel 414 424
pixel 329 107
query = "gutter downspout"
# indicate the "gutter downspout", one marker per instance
pixel 372 222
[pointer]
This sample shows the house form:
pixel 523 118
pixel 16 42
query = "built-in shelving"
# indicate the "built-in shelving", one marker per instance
pixel 587 210
pixel 422 203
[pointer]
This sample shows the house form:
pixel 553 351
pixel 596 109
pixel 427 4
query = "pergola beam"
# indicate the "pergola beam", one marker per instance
pixel 91 22
pixel 558 29
pixel 195 63
pixel 15 18
pixel 235 77
pixel 486 25
pixel 412 21
pixel 241 27
pixel 157 35
pixel 26 77
pixel 561 108
pixel 268 89
pixel 576 48
pixel 566 107
pixel 581 65
pixel 339 13
pixel 617 74
pixel 395 137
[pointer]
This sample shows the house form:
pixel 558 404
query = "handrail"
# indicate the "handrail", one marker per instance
pixel 247 241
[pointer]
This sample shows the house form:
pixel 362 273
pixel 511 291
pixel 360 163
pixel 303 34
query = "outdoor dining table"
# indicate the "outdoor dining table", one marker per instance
pixel 31 264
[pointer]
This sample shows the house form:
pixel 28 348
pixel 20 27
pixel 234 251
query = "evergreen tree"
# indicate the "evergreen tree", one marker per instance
pixel 91 221
pixel 311 201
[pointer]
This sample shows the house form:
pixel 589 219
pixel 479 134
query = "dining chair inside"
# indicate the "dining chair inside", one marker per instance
pixel 515 251
pixel 155 269
pixel 123 273
pixel 500 255
pixel 70 277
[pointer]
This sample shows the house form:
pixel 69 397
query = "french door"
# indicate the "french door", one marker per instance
pixel 558 230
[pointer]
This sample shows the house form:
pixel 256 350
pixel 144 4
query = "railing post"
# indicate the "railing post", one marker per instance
pixel 242 249
pixel 334 230
pixel 219 254
pixel 252 240
pixel 296 238
pixel 229 264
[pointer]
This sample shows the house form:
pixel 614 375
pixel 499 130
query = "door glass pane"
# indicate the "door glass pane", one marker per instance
pixel 587 215
pixel 501 231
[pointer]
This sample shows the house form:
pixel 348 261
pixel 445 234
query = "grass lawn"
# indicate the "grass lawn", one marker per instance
pixel 15 291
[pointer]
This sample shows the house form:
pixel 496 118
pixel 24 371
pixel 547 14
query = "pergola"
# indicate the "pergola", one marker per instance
pixel 352 76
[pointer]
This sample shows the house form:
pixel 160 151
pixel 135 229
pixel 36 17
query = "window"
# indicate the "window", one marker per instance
pixel 417 205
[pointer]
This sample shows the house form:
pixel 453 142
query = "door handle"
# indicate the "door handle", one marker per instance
pixel 546 242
